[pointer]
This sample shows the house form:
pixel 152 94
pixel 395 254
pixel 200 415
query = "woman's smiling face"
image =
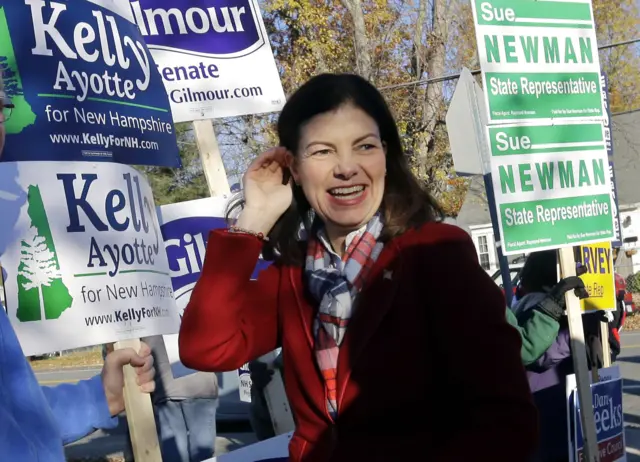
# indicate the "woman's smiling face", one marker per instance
pixel 341 165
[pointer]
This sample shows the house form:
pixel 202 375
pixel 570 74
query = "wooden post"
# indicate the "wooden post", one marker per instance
pixel 140 417
pixel 604 336
pixel 214 172
pixel 578 350
pixel 211 159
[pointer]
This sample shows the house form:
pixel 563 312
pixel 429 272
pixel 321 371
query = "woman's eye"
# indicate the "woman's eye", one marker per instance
pixel 367 147
pixel 321 152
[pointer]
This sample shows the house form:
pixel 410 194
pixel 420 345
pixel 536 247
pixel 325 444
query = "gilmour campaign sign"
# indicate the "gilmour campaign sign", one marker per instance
pixel 185 228
pixel 83 83
pixel 214 56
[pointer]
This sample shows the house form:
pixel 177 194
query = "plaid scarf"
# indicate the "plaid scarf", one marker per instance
pixel 334 283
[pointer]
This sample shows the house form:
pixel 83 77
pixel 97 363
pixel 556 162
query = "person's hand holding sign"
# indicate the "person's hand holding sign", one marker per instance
pixel 554 303
pixel 113 376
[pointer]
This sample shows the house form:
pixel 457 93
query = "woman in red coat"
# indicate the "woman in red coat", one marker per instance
pixel 395 340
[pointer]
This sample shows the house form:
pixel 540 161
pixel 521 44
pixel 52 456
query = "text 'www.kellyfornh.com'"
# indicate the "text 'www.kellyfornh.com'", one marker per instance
pixel 128 315
pixel 105 141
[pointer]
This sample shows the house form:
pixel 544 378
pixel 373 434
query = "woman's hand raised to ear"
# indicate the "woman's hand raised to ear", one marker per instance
pixel 266 194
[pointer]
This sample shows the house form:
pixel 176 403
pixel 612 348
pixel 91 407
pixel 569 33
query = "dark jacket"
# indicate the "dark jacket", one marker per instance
pixel 459 407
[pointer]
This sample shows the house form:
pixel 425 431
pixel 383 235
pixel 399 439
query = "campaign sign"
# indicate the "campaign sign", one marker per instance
pixel 84 85
pixel 608 136
pixel 185 229
pixel 82 255
pixel 244 377
pixel 608 415
pixel 214 56
pixel 539 60
pixel 599 278
pixel 551 185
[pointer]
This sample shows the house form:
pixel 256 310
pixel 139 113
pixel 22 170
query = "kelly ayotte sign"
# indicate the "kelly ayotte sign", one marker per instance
pixel 214 56
pixel 83 84
pixel 82 254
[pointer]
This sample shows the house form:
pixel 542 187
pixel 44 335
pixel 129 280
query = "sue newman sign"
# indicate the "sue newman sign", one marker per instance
pixel 185 229
pixel 551 184
pixel 539 59
pixel 83 83
pixel 214 56
pixel 82 255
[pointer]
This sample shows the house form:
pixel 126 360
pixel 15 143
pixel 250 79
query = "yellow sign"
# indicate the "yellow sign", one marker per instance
pixel 599 278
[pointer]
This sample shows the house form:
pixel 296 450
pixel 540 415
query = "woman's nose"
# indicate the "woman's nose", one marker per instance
pixel 345 168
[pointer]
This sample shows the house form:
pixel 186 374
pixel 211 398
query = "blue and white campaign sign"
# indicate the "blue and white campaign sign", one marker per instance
pixel 608 416
pixel 84 85
pixel 244 386
pixel 185 228
pixel 82 255
pixel 214 56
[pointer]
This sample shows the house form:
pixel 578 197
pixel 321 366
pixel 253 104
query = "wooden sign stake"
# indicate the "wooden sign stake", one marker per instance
pixel 606 350
pixel 211 158
pixel 139 409
pixel 578 350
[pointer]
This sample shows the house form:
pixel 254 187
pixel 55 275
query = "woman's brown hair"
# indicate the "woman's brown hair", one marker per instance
pixel 405 203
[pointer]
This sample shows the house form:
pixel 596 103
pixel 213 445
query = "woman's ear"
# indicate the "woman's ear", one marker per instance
pixel 292 166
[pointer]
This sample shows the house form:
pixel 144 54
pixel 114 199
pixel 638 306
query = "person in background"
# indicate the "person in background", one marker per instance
pixel 185 408
pixel 617 318
pixel 36 421
pixel 539 289
pixel 539 329
pixel 363 284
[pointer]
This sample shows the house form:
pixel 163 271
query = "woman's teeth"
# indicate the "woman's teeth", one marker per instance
pixel 347 193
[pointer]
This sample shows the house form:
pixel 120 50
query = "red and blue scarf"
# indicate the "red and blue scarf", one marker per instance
pixel 335 282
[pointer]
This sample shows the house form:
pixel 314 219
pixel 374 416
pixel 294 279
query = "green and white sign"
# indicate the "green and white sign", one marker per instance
pixel 539 59
pixel 551 184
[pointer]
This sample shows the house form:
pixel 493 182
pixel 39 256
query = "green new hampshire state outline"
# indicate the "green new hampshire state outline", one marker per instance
pixel 41 290
pixel 22 116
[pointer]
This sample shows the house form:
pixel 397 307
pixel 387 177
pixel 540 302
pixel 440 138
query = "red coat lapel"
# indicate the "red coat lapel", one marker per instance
pixel 375 301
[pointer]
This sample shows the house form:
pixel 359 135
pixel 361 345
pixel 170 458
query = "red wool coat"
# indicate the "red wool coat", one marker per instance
pixel 429 365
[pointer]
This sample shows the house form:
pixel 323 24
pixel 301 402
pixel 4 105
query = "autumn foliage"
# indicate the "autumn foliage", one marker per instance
pixel 396 43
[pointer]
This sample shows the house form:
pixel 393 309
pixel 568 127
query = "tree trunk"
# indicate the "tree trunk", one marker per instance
pixel 432 105
pixel 417 63
pixel 361 40
pixel 41 298
pixel 417 70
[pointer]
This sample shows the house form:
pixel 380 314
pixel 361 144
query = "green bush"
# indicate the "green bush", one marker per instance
pixel 633 283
